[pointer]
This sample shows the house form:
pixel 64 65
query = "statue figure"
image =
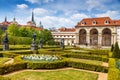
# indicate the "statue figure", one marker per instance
pixel 34 38
pixel 5 43
pixel 5 40
pixel 62 43
pixel 34 46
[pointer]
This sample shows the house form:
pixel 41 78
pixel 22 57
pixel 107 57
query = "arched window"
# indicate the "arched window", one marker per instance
pixel 94 37
pixel 106 22
pixel 82 36
pixel 106 37
pixel 94 22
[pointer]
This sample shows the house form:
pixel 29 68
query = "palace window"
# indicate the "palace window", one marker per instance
pixel 106 22
pixel 94 22
pixel 83 23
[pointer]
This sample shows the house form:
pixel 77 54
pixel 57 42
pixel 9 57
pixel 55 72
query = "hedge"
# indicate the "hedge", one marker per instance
pixel 84 56
pixel 86 66
pixel 4 78
pixel 113 73
pixel 19 40
pixel 12 67
pixel 46 65
pixel 9 55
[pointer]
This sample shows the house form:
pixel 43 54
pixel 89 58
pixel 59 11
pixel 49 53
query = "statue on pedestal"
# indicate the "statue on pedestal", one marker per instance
pixel 62 43
pixel 5 42
pixel 34 46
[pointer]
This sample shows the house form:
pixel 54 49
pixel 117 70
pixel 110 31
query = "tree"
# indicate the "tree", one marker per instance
pixel 24 32
pixel 45 35
pixel 116 51
pixel 13 30
pixel 1 31
pixel 112 47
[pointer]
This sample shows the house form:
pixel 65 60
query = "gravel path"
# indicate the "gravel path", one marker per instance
pixel 10 61
pixel 101 76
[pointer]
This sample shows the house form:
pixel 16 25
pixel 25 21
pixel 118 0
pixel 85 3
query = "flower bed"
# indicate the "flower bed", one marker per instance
pixel 48 58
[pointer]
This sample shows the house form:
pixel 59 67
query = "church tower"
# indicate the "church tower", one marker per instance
pixel 32 22
pixel 40 25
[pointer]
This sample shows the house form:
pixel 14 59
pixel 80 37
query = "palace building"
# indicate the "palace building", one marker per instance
pixel 102 31
pixel 68 34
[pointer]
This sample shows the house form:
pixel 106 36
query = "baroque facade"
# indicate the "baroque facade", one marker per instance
pixel 101 31
pixel 67 33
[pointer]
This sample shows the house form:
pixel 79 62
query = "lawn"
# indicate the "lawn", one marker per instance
pixel 54 75
pixel 3 60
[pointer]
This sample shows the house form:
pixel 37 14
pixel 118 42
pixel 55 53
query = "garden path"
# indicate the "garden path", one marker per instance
pixel 10 61
pixel 101 76
pixel 104 64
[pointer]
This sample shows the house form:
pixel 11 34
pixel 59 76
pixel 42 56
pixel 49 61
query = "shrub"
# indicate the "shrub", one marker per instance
pixel 84 56
pixel 12 67
pixel 112 47
pixel 46 65
pixel 116 52
pixel 19 40
pixel 113 73
pixel 4 78
pixel 86 66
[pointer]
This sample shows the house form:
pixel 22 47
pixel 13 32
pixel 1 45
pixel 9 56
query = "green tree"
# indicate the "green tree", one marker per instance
pixel 1 31
pixel 24 32
pixel 45 35
pixel 116 51
pixel 112 47
pixel 13 30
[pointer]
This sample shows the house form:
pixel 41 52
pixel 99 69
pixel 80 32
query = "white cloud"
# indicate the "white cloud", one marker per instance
pixel 40 11
pixel 39 1
pixel 79 16
pixel 112 14
pixel 22 6
pixel 52 21
pixel 94 4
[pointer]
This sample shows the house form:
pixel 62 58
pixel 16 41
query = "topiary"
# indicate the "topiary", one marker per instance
pixel 112 47
pixel 116 51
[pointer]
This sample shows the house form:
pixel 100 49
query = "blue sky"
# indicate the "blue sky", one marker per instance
pixel 58 13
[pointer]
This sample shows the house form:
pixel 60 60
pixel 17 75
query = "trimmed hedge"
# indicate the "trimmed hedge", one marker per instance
pixel 46 65
pixel 113 73
pixel 4 78
pixel 84 56
pixel 9 55
pixel 12 67
pixel 86 66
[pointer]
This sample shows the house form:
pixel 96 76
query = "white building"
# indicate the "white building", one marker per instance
pixel 101 31
pixel 67 33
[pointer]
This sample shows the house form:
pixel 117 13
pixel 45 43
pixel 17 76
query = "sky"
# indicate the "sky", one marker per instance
pixel 58 13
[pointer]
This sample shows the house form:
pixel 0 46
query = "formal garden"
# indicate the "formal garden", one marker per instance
pixel 40 58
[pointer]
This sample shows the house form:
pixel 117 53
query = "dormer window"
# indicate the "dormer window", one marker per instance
pixel 94 22
pixel 106 22
pixel 83 23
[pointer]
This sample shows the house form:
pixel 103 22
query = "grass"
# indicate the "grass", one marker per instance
pixel 94 62
pixel 3 60
pixel 55 75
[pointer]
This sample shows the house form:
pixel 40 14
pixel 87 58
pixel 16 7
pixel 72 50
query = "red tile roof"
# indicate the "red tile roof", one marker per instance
pixel 5 23
pixel 63 29
pixel 99 22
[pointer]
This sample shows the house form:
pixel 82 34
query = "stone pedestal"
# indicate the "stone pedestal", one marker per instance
pixel 5 46
pixel 34 46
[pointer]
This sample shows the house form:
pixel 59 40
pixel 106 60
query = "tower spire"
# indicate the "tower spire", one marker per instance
pixel 14 19
pixel 32 16
pixel 5 18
